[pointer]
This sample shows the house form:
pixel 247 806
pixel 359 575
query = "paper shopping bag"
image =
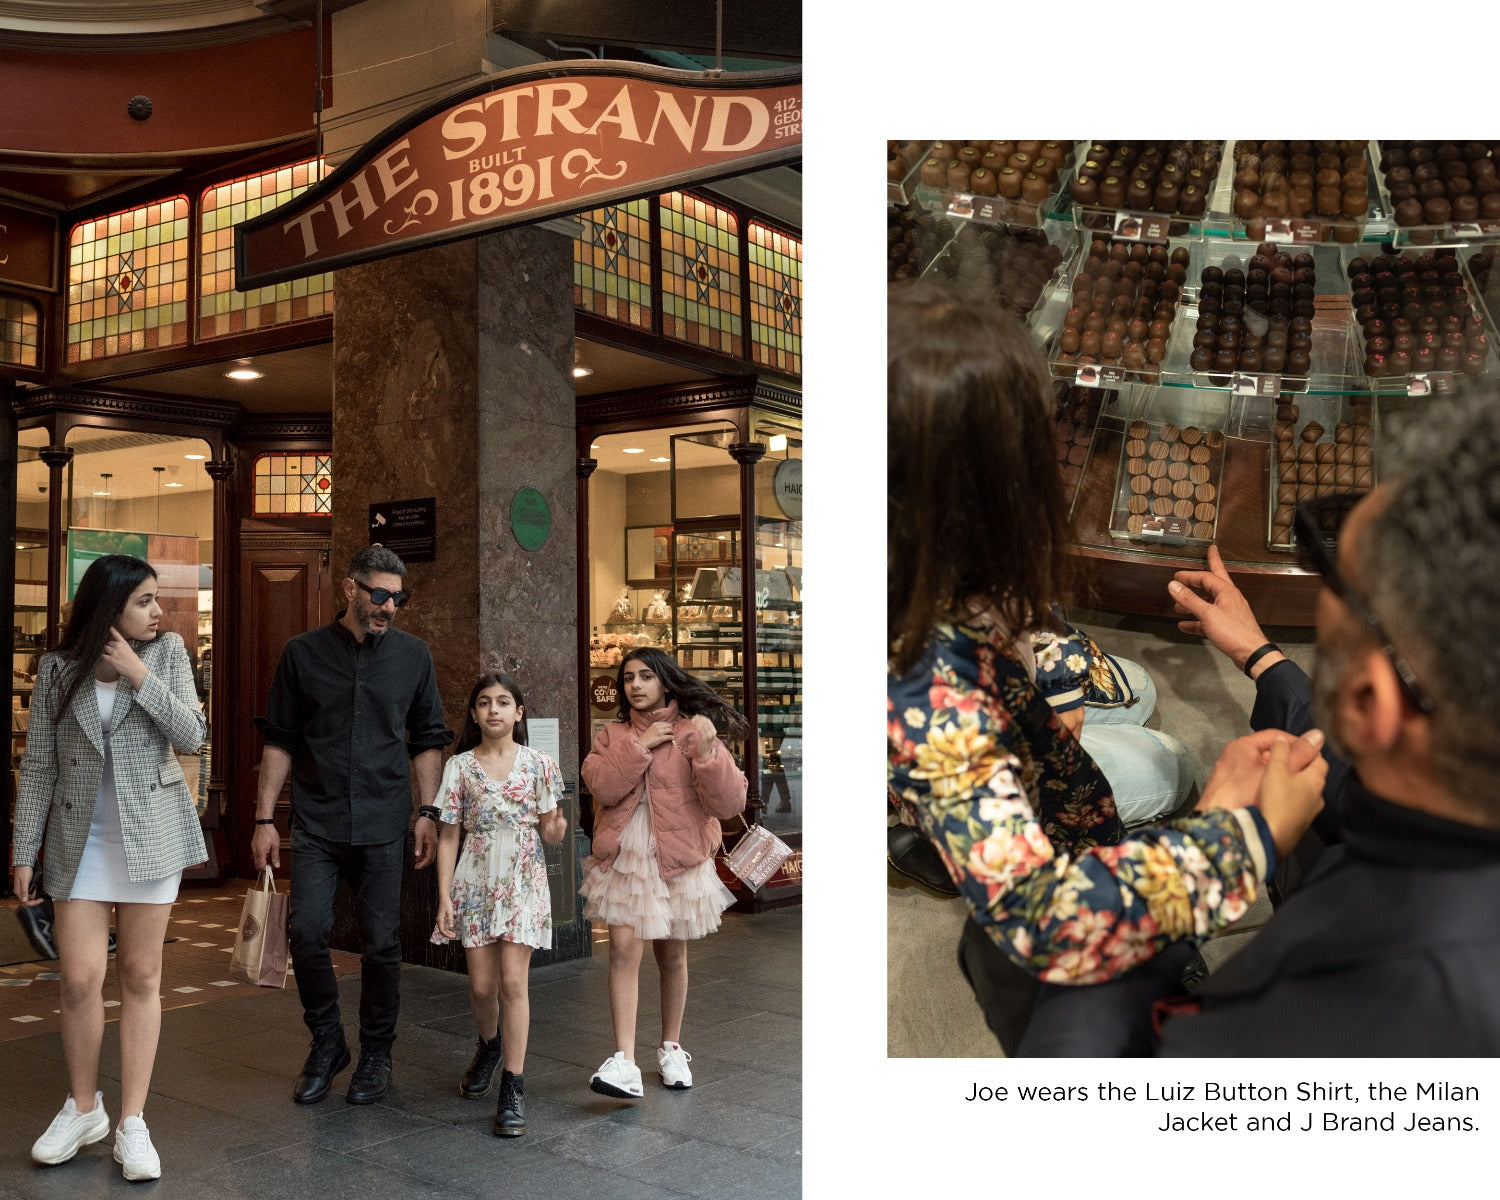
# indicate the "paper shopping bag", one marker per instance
pixel 757 855
pixel 260 943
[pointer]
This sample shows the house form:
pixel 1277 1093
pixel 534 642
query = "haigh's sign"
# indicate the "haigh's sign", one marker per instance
pixel 527 144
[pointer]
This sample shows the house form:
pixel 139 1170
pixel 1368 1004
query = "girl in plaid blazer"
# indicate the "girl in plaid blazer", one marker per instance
pixel 101 781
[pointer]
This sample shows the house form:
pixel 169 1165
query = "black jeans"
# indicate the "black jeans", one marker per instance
pixel 374 876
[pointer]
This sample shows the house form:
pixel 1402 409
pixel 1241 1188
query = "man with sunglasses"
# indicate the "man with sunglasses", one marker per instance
pixel 1392 944
pixel 353 712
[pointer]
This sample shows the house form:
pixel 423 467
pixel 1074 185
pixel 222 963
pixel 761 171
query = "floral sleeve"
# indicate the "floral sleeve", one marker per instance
pixel 969 771
pixel 549 783
pixel 1062 668
pixel 450 793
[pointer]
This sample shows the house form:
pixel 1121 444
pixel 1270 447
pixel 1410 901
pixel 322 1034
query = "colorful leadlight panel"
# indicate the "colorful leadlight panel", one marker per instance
pixel 612 263
pixel 221 309
pixel 293 483
pixel 128 281
pixel 20 329
pixel 775 299
pixel 700 274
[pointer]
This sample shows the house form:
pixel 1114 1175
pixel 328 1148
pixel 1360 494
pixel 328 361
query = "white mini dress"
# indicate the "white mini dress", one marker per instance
pixel 102 874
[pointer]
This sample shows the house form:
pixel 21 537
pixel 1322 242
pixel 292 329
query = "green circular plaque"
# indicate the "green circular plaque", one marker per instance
pixel 530 518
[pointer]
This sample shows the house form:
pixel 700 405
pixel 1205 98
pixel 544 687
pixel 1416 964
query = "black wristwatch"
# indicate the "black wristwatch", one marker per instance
pixel 430 811
pixel 1258 654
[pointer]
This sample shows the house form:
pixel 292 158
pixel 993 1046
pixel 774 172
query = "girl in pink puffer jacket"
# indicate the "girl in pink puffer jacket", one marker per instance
pixel 661 781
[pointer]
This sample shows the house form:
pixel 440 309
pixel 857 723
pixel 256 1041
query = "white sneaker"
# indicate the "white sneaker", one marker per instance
pixel 69 1130
pixel 134 1151
pixel 618 1077
pixel 672 1060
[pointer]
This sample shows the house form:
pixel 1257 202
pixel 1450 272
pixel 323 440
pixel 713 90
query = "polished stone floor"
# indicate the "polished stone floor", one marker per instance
pixel 221 1113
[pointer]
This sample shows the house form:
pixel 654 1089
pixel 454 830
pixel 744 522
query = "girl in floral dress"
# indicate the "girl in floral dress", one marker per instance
pixel 662 781
pixel 502 794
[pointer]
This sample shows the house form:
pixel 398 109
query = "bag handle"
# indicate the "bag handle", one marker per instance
pixel 267 879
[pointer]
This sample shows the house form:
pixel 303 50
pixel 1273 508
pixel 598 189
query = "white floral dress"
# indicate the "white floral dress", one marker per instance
pixel 500 888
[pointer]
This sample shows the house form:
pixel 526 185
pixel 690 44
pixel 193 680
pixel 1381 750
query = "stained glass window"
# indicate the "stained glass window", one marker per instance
pixel 293 483
pixel 612 263
pixel 700 273
pixel 128 281
pixel 221 309
pixel 20 330
pixel 775 299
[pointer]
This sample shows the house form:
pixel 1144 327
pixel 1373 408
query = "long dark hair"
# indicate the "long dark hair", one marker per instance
pixel 694 697
pixel 976 509
pixel 102 594
pixel 470 735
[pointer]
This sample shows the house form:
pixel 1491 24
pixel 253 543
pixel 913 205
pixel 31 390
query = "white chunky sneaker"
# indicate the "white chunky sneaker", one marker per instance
pixel 69 1130
pixel 617 1077
pixel 672 1060
pixel 134 1151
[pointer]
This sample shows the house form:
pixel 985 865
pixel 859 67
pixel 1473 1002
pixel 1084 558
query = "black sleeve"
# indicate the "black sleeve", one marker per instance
pixel 425 729
pixel 1283 700
pixel 282 724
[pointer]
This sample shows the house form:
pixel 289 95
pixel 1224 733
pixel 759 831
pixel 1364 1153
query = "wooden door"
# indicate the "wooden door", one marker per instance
pixel 286 590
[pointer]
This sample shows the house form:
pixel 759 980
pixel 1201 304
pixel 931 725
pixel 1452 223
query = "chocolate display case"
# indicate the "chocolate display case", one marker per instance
pixel 903 169
pixel 1128 183
pixel 997 182
pixel 1286 434
pixel 1014 267
pixel 1440 192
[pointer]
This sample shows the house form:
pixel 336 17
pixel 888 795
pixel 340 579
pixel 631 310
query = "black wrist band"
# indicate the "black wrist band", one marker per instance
pixel 1268 648
pixel 430 811
pixel 267 821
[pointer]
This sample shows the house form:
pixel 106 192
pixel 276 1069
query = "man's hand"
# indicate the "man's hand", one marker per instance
pixel 265 844
pixel 1290 797
pixel 426 842
pixel 1221 614
pixel 1236 778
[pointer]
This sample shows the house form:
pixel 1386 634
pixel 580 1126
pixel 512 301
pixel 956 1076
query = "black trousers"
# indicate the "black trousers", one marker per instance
pixel 373 874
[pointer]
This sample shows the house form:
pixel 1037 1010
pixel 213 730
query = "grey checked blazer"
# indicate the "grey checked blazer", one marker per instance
pixel 65 759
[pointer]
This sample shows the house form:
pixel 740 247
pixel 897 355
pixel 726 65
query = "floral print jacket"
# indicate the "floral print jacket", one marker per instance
pixel 1072 670
pixel 1027 825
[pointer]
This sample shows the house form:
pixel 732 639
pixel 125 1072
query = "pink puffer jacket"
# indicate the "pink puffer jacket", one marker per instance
pixel 688 797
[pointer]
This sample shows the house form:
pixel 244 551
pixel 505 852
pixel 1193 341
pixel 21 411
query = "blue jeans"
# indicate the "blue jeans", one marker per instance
pixel 1149 772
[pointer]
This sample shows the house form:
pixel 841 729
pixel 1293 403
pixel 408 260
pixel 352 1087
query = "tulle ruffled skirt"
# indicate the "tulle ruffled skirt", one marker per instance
pixel 631 891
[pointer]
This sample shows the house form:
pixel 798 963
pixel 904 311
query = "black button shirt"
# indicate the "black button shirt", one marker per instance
pixel 351 714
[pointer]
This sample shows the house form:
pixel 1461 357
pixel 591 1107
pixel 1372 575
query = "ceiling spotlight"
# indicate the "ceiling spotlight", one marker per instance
pixel 196 457
pixel 581 372
pixel 174 483
pixel 777 441
pixel 632 450
pixel 243 373
pixel 661 460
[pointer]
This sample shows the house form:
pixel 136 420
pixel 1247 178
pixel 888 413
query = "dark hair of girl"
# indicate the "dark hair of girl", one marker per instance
pixel 470 736
pixel 102 594
pixel 694 697
pixel 976 512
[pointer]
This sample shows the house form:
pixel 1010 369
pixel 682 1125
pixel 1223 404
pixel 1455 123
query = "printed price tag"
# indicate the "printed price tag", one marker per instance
pixel 1468 230
pixel 1249 383
pixel 1293 229
pixel 1093 376
pixel 1167 530
pixel 1142 227
pixel 1429 383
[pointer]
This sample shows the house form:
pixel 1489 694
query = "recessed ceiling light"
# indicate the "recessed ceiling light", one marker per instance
pixel 243 373
pixel 632 450
pixel 778 441
pixel 101 493
pixel 196 457
pixel 661 460
pixel 593 445
pixel 174 483
pixel 581 372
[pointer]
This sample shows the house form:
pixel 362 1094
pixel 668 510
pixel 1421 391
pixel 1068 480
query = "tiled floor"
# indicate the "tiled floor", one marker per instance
pixel 221 1112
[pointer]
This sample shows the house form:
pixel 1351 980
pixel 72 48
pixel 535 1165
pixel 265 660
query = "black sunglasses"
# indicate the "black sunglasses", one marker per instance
pixel 1316 524
pixel 379 596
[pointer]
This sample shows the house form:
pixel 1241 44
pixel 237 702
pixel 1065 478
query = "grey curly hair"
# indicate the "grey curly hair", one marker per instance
pixel 371 560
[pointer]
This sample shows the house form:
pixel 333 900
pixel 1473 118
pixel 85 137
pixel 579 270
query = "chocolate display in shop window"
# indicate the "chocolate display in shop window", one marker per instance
pixel 1256 316
pixel 1174 178
pixel 1011 169
pixel 1005 265
pixel 1124 300
pixel 1415 314
pixel 1432 183
pixel 1277 179
pixel 913 239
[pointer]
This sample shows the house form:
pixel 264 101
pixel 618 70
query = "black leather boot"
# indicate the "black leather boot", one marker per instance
pixel 329 1055
pixel 510 1114
pixel 372 1077
pixel 480 1075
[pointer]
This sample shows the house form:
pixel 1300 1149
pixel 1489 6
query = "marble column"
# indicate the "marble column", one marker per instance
pixel 453 379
